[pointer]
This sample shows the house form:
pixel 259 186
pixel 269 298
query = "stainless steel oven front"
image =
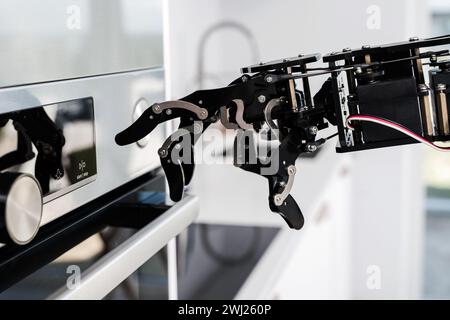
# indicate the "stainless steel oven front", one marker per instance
pixel 72 75
pixel 86 113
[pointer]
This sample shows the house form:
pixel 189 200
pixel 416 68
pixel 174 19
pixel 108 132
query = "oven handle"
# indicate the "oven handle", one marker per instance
pixel 107 273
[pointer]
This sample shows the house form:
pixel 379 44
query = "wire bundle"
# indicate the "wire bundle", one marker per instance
pixel 395 126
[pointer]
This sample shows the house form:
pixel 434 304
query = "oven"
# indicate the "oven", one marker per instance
pixel 81 217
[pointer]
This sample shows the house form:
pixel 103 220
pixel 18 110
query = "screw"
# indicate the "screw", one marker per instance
pixel 359 70
pixel 244 78
pixel 200 102
pixel 168 112
pixel 346 49
pixel 269 79
pixel 162 152
pixel 300 55
pixel 433 58
pixel 365 47
pixel 156 108
pixel 177 146
pixel 441 87
pixel 313 130
pixel 151 117
pixel 414 39
pixel 262 99
pixel 278 200
pixel 311 147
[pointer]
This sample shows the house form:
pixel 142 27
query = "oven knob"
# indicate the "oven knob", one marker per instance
pixel 20 207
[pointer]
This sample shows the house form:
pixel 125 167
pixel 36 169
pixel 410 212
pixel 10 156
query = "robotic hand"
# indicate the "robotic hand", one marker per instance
pixel 376 96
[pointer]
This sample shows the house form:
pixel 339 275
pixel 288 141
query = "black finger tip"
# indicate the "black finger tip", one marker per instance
pixel 175 197
pixel 120 140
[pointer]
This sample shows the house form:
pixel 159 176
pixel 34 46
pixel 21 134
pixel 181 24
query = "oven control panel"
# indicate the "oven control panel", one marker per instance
pixel 53 143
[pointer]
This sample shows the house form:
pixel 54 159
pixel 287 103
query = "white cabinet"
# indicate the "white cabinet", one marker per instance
pixel 319 265
pixel 315 261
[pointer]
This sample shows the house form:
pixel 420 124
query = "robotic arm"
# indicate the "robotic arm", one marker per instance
pixel 375 96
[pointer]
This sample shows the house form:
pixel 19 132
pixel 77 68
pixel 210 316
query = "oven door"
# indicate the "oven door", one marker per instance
pixel 121 246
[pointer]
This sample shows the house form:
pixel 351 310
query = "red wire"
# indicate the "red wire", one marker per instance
pixel 394 126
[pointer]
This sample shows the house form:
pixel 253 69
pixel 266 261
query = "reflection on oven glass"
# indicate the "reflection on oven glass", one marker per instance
pixel 92 236
pixel 148 282
pixel 215 260
pixel 56 143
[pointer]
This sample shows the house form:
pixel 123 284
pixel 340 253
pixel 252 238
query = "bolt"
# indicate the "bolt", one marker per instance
pixel 433 58
pixel 300 55
pixel 313 130
pixel 156 108
pixel 168 112
pixel 346 49
pixel 262 99
pixel 269 79
pixel 365 47
pixel 261 63
pixel 200 102
pixel 414 39
pixel 177 146
pixel 278 200
pixel 244 78
pixel 311 147
pixel 162 152
pixel 359 70
pixel 441 87
pixel 151 117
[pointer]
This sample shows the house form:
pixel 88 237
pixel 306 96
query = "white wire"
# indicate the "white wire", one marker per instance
pixel 394 126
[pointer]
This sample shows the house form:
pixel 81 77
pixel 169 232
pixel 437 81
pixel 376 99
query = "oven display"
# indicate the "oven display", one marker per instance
pixel 55 143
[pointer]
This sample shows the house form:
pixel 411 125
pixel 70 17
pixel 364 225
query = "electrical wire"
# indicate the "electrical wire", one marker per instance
pixel 395 126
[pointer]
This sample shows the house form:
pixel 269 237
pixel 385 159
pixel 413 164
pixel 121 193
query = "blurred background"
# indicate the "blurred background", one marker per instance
pixel 377 222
